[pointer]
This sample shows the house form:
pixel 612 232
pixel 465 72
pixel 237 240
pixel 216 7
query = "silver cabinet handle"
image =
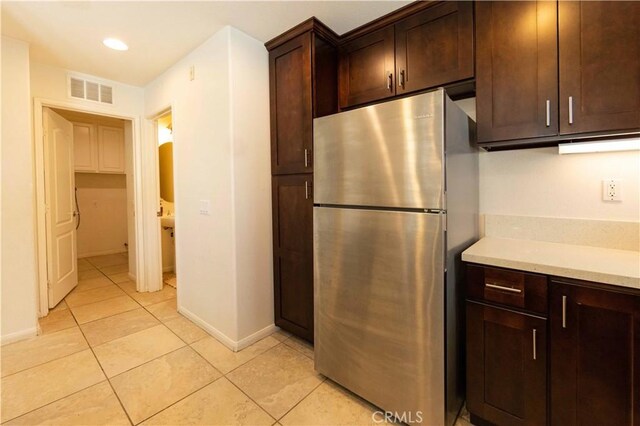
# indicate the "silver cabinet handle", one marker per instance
pixel 500 287
pixel 390 81
pixel 306 157
pixel 306 190
pixel 564 311
pixel 570 109
pixel 548 113
pixel 535 351
pixel 401 79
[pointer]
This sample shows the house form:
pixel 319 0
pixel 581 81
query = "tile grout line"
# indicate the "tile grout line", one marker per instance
pixel 105 375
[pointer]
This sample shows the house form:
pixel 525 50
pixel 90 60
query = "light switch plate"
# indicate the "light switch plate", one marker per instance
pixel 205 207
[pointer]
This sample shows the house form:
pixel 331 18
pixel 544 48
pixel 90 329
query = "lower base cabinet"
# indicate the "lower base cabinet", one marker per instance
pixel 579 367
pixel 506 366
pixel 595 356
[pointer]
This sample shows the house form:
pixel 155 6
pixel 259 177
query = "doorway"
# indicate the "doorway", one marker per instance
pixel 89 199
pixel 166 198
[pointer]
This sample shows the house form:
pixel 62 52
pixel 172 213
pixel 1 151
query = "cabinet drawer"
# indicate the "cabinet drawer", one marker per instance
pixel 509 288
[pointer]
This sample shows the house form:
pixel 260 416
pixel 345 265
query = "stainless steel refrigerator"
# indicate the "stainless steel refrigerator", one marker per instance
pixel 395 204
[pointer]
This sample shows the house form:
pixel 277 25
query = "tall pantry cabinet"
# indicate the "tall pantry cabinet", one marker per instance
pixel 302 79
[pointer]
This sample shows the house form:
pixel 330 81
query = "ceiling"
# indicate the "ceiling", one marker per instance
pixel 69 34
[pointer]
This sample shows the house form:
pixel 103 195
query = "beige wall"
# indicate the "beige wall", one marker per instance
pixel 102 199
pixel 18 277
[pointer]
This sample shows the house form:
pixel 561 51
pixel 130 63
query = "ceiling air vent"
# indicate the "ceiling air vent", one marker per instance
pixel 106 94
pixel 77 88
pixel 90 90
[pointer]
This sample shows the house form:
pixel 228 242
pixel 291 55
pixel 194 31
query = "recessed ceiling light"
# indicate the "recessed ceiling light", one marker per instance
pixel 114 43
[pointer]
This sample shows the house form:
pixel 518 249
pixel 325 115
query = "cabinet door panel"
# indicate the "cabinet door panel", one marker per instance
pixel 293 253
pixel 506 370
pixel 366 68
pixel 110 150
pixel 435 47
pixel 516 70
pixel 599 65
pixel 593 356
pixel 291 108
pixel 85 150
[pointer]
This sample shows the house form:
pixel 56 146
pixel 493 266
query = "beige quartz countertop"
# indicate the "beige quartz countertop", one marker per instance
pixel 609 266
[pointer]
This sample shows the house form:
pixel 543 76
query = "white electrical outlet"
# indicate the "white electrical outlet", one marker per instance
pixel 611 190
pixel 192 72
pixel 205 207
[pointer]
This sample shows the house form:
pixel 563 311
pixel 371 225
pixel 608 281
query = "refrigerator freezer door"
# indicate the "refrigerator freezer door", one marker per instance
pixel 386 155
pixel 379 307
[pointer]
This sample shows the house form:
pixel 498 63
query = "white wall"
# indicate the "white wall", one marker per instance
pixel 18 276
pixel 252 182
pixel 102 199
pixel 539 182
pixel 221 154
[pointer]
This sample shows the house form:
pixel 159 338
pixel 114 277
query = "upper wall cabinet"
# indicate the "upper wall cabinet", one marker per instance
pixel 302 72
pixel 599 66
pixel 98 149
pixel 435 47
pixel 517 65
pixel 110 150
pixel 85 147
pixel 366 68
pixel 528 52
pixel 426 49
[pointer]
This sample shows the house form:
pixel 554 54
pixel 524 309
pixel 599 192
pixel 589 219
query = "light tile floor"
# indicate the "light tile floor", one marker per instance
pixel 110 355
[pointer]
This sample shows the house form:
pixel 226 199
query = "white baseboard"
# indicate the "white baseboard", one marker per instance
pixel 101 253
pixel 258 335
pixel 168 268
pixel 18 335
pixel 217 334
pixel 223 338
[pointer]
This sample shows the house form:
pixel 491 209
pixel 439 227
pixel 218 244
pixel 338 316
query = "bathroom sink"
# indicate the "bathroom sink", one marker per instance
pixel 168 221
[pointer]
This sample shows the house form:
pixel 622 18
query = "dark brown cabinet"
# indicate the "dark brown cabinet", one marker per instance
pixel 434 47
pixel 599 66
pixel 366 68
pixel 506 346
pixel 302 82
pixel 291 110
pixel 595 355
pixel 429 48
pixel 293 253
pixel 303 85
pixel 517 66
pixel 528 52
pixel 506 366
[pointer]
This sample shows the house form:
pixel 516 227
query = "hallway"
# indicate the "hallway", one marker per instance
pixel 110 355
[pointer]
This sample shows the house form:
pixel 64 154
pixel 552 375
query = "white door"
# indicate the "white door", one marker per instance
pixel 59 196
